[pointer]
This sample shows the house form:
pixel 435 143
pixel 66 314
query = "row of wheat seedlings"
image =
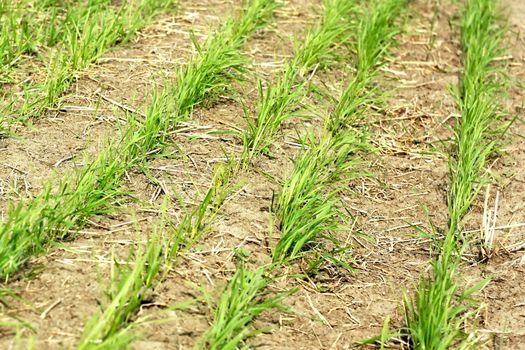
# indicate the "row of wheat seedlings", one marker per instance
pixel 208 72
pixel 277 101
pixel 85 33
pixel 437 317
pixel 306 205
pixel 59 210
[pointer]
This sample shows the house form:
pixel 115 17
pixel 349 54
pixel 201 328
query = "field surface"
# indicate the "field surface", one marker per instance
pixel 216 174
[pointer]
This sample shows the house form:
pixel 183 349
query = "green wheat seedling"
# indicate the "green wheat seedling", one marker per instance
pixel 306 205
pixel 147 136
pixel 197 221
pixel 129 285
pixel 27 29
pixel 244 298
pixel 218 59
pixel 272 110
pixel 275 102
pixel 375 34
pixel 436 317
pixel 22 338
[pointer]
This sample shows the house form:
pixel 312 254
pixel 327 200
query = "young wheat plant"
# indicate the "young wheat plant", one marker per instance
pixel 129 285
pixel 306 205
pixel 375 34
pixel 243 299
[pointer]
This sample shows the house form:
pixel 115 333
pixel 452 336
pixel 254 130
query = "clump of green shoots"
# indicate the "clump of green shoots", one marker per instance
pixel 437 316
pixel 306 205
pixel 129 285
pixel 211 70
pixel 88 36
pixel 375 34
pixel 244 298
pixel 197 221
pixel 218 58
pixel 275 102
